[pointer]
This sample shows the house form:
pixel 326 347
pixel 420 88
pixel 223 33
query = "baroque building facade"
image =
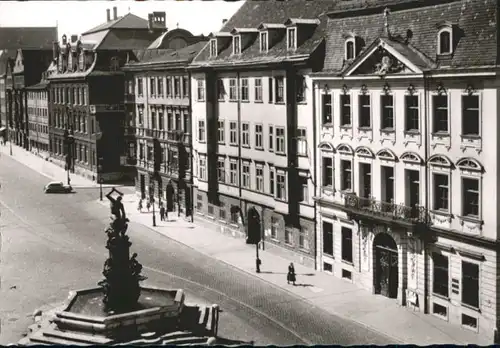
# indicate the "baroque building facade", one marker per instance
pixel 87 95
pixel 252 113
pixel 158 97
pixel 407 127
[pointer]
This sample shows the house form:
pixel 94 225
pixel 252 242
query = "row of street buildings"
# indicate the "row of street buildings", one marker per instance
pixel 309 113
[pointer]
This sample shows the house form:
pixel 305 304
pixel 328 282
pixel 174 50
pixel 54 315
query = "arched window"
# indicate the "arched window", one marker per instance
pixel 363 151
pixel 350 48
pixel 386 154
pixel 411 157
pixel 325 146
pixel 345 149
pixel 445 40
pixel 440 161
pixel 469 164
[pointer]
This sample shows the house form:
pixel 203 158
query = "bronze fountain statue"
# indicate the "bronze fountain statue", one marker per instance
pixel 122 273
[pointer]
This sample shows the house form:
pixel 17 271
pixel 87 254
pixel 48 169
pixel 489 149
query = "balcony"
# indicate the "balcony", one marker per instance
pixel 174 136
pixel 386 212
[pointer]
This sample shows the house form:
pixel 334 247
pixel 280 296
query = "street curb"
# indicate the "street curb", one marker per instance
pixel 242 270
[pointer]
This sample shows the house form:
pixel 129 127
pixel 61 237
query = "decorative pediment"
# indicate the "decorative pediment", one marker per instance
pixel 363 151
pixel 326 146
pixel 345 149
pixel 411 157
pixel 440 161
pixel 382 59
pixel 387 154
pixel 469 164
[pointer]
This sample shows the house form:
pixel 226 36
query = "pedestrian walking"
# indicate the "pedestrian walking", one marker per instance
pixel 162 212
pixel 290 277
pixel 139 206
pixel 148 205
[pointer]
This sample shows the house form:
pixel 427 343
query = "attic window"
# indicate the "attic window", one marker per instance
pixel 291 38
pixel 445 40
pixel 236 44
pixel 350 49
pixel 213 48
pixel 263 41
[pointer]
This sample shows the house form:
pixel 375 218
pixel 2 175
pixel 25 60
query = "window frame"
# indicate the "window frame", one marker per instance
pixel 301 141
pixel 258 95
pixel 221 90
pixel 343 177
pixel 343 106
pixel 279 89
pixel 200 86
pixel 213 48
pixel 259 179
pixel 221 131
pixel 324 106
pixel 387 108
pixel 280 140
pixel 236 47
pixel 434 278
pixel 246 175
pixel 245 134
pixel 352 41
pixel 245 89
pixel 281 191
pixel 233 89
pixel 347 256
pixel 362 107
pixel 327 171
pixel 291 38
pixel 435 193
pixel 479 116
pixel 463 178
pixel 233 131
pixel 221 170
pixel 464 299
pixel 233 174
pixel 331 237
pixel 409 129
pixel 434 108
pixel 442 31
pixel 270 137
pixel 259 136
pixel 264 44
pixel 202 131
pixel 202 168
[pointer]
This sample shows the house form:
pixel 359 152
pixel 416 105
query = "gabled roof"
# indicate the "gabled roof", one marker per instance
pixel 414 33
pixel 129 21
pixel 126 40
pixel 27 38
pixel 254 13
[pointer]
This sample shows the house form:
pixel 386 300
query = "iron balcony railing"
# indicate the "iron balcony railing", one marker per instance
pixel 374 208
pixel 162 134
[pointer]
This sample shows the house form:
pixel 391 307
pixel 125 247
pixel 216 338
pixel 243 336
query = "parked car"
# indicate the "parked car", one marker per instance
pixel 57 187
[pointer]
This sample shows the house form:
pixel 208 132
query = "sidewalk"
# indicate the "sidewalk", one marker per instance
pixel 334 295
pixel 45 167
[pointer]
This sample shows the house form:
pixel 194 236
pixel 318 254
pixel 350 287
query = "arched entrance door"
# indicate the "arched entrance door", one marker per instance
pixel 253 226
pixel 386 265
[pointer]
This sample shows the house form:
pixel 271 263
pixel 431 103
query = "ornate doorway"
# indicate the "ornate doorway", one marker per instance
pixel 386 265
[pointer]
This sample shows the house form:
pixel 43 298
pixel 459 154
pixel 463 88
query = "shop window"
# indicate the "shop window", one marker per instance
pixel 440 279
pixel 327 238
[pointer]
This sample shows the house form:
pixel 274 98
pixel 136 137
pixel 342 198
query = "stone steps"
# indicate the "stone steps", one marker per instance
pixel 51 336
pixel 185 340
pixel 39 339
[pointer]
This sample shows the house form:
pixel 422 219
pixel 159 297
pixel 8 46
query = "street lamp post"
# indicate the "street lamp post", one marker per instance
pixel 152 196
pixel 99 176
pixel 68 139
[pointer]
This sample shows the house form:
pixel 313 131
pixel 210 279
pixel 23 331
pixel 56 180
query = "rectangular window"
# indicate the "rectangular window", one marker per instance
pixel 222 211
pixel 213 48
pixel 263 41
pixel 244 89
pixel 160 86
pixel 387 105
pixel 291 42
pixel 301 89
pixel 233 92
pixel 274 227
pixel 470 197
pixel 185 87
pixel 280 87
pixel 470 115
pixel 161 121
pixel 327 238
pixel 365 178
pixel 201 90
pixel 345 110
pixel 270 90
pixel 411 113
pixel 271 181
pixel 221 170
pixel 221 92
pixel 177 87
pixel 364 111
pixel 203 168
pixel 201 130
pixel 441 191
pixel 288 236
pixel 304 238
pixel 236 44
pixel 259 178
pixel 152 86
pixel 440 108
pixel 346 175
pixel 245 167
pixel 235 214
pixel 169 86
pixel 470 284
pixel 440 278
pixel 271 138
pixel 301 142
pixel 233 133
pixel 258 90
pixel 346 244
pixel 326 109
pixel 221 132
pixel 245 133
pixel 233 172
pixel 280 140
pixel 153 120
pixel 304 187
pixel 327 177
pixel 170 121
pixel 258 136
pixel 387 185
pixel 280 185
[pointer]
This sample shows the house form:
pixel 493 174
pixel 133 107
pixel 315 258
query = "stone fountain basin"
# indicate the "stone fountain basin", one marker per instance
pixel 85 311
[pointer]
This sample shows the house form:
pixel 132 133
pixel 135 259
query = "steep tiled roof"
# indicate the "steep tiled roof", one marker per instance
pixel 126 40
pixel 129 21
pixel 27 38
pixel 414 32
pixel 254 13
pixel 159 56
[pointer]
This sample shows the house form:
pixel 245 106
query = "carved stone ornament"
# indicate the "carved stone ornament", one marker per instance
pixel 388 65
pixel 114 64
pixel 386 89
pixel 411 89
pixel 345 89
pixel 440 89
pixel 470 90
pixel 412 248
pixel 364 89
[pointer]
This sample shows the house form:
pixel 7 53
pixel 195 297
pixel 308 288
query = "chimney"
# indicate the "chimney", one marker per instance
pixel 157 21
pixel 115 12
pixel 108 15
pixel 224 21
pixel 74 38
pixel 64 42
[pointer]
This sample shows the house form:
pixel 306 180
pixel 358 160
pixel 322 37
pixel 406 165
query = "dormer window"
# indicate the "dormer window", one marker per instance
pixel 445 41
pixel 213 48
pixel 350 49
pixel 263 41
pixel 291 38
pixel 236 44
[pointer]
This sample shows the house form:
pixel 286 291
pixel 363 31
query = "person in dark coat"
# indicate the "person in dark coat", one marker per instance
pixel 162 212
pixel 291 274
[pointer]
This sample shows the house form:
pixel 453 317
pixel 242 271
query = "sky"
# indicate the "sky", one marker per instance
pixel 76 17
